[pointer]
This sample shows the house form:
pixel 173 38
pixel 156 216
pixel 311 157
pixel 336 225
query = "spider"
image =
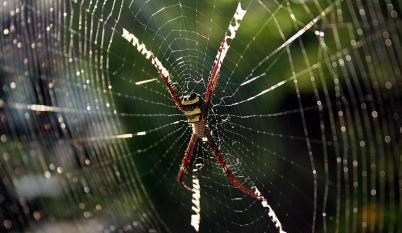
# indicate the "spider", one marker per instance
pixel 195 109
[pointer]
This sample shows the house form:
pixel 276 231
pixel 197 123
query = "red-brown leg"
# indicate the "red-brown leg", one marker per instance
pixel 171 90
pixel 232 178
pixel 186 161
pixel 213 80
pixel 223 49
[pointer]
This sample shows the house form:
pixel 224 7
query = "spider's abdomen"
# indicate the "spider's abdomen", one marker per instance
pixel 192 107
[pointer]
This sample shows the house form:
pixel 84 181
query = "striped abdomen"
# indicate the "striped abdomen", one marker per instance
pixel 192 107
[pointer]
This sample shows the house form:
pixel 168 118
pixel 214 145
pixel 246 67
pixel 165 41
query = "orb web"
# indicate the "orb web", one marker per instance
pixel 306 112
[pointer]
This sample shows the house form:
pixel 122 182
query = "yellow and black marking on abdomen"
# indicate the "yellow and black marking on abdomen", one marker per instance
pixel 192 107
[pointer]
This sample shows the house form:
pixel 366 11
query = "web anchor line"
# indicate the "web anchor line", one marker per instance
pixel 271 212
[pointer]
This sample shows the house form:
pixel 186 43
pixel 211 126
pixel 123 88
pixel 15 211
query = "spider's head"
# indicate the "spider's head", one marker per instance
pixel 190 99
pixel 193 107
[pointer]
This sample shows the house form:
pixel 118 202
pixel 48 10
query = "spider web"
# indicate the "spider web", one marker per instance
pixel 306 112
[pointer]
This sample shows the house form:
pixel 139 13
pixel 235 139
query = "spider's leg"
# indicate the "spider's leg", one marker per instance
pixel 149 55
pixel 223 49
pixel 172 92
pixel 186 161
pixel 232 178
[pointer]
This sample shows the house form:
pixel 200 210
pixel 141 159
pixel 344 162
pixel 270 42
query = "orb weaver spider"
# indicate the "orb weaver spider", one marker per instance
pixel 195 108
